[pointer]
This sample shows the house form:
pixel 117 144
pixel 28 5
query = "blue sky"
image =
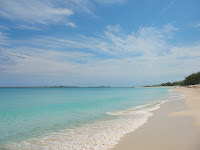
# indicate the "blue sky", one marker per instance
pixel 98 42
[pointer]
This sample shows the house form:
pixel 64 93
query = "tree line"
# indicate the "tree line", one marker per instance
pixel 192 79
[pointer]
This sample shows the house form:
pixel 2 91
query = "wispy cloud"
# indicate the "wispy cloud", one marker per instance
pixel 196 25
pixel 43 12
pixel 110 1
pixel 48 11
pixel 111 56
pixel 114 41
pixel 3 39
pixel 164 10
pixel 28 27
pixel 71 24
pixel 125 54
pixel 115 28
pixel 28 60
pixel 3 27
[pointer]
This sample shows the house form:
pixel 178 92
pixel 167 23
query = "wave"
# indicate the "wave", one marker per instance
pixel 100 135
pixel 142 109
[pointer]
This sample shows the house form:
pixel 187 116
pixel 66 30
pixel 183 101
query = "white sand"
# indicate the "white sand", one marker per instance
pixel 171 127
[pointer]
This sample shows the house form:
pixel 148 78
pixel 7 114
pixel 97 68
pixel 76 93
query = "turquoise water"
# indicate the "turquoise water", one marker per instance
pixel 33 113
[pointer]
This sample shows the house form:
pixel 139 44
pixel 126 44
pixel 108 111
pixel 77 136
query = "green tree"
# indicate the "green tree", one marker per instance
pixel 192 79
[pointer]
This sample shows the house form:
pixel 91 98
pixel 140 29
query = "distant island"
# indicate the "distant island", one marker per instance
pixel 58 87
pixel 192 79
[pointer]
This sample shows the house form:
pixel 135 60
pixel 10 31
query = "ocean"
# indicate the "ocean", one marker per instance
pixel 74 118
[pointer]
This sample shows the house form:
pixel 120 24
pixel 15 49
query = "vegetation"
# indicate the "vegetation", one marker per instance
pixel 192 79
pixel 172 84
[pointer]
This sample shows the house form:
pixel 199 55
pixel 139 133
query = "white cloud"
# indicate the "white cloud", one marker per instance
pixel 186 52
pixel 39 61
pixel 48 11
pixel 114 56
pixel 36 11
pixel 26 27
pixel 115 42
pixel 3 27
pixel 66 65
pixel 71 24
pixel 3 39
pixel 115 28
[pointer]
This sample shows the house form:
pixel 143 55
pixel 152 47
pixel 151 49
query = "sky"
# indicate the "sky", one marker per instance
pixel 98 42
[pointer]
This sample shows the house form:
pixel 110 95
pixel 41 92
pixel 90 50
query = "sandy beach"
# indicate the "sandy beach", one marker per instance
pixel 192 101
pixel 174 126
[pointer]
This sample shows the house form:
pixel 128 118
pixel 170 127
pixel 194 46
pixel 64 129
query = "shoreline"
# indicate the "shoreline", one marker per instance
pixel 171 126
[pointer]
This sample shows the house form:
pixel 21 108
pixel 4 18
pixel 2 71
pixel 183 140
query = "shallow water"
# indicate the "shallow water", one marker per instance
pixel 74 118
